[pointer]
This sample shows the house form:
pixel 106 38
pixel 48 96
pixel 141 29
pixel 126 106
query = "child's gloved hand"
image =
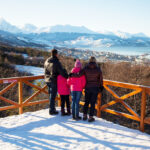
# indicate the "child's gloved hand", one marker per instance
pixel 70 74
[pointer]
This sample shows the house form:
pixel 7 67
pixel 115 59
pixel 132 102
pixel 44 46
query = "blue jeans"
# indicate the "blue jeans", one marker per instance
pixel 76 95
pixel 52 90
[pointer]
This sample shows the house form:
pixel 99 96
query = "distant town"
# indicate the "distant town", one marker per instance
pixel 103 56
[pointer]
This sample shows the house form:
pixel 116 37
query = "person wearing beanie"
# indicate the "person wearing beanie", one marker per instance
pixel 94 85
pixel 92 59
pixel 76 87
pixel 78 64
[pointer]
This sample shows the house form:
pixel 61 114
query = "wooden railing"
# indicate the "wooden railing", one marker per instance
pixel 22 102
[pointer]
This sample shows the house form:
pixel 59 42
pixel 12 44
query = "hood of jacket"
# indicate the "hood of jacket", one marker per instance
pixel 75 70
pixel 92 65
pixel 53 59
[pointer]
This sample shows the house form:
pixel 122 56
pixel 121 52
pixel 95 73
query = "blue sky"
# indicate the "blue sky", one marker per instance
pixel 131 16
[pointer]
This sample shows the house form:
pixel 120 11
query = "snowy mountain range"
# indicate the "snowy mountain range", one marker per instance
pixel 29 28
pixel 68 36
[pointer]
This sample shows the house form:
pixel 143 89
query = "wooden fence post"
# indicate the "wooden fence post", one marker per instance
pixel 143 109
pixel 59 101
pixel 20 96
pixel 99 105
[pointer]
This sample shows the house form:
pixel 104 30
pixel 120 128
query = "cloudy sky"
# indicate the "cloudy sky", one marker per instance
pixel 131 16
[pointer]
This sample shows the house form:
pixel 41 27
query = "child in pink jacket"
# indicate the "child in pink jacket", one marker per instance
pixel 76 85
pixel 64 91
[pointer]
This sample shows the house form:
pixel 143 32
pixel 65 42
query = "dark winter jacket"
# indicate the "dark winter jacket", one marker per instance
pixel 93 75
pixel 53 68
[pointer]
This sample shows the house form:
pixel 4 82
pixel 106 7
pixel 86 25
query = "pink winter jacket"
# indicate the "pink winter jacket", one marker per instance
pixel 62 86
pixel 76 83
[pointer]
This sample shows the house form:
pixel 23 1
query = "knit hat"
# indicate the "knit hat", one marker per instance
pixel 78 64
pixel 92 59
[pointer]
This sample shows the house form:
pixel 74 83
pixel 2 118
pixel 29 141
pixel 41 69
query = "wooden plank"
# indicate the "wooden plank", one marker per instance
pixel 22 78
pixel 31 97
pixel 130 109
pixel 82 103
pixel 34 95
pixel 106 82
pixel 112 92
pixel 123 85
pixel 143 108
pixel 121 114
pixel 131 94
pixel 20 98
pixel 110 103
pixel 99 105
pixel 120 99
pixel 59 100
pixel 83 92
pixel 148 91
pixel 8 107
pixel 96 106
pixel 36 102
pixel 34 86
pixel 9 101
pixel 7 88
pixel 147 120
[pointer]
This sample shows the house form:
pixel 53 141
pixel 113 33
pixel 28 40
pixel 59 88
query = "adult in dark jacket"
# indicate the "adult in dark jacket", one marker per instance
pixel 53 68
pixel 94 85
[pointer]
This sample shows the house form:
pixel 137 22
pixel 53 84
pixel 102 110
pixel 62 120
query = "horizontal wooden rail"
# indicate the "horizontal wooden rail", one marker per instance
pixel 17 79
pixel 108 84
pixel 144 90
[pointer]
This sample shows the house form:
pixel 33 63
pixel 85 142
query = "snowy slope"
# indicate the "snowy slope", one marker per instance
pixel 30 69
pixel 40 131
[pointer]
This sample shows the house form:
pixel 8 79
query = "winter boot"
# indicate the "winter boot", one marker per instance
pixel 91 119
pixel 53 112
pixel 74 118
pixel 68 112
pixel 85 117
pixel 79 118
pixel 63 112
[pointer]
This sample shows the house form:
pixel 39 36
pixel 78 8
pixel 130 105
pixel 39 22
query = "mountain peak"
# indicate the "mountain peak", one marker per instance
pixel 70 28
pixel 140 34
pixel 1 18
pixel 29 28
pixel 6 26
pixel 3 21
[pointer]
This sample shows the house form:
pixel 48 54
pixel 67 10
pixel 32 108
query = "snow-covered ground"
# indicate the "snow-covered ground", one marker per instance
pixel 30 69
pixel 40 131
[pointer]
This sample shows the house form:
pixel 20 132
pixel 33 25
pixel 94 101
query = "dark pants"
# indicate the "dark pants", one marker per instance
pixel 52 89
pixel 76 95
pixel 90 98
pixel 65 99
